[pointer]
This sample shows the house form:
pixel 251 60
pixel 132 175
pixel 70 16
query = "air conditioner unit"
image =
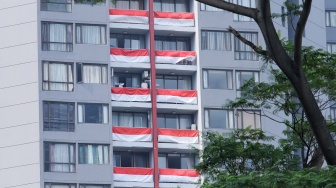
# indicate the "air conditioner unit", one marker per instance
pixel 145 75
pixel 193 126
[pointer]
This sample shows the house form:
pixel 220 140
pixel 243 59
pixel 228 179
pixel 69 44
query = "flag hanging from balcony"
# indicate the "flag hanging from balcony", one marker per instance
pixel 127 134
pixel 173 57
pixel 133 174
pixel 177 96
pixel 129 16
pixel 178 176
pixel 130 94
pixel 129 56
pixel 178 136
pixel 174 18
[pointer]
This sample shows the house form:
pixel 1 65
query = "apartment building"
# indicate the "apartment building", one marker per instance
pixel 117 94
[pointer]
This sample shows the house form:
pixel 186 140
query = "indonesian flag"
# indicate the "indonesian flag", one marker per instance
pixel 173 57
pixel 133 174
pixel 127 134
pixel 177 96
pixel 174 18
pixel 129 16
pixel 178 136
pixel 129 56
pixel 130 94
pixel 178 175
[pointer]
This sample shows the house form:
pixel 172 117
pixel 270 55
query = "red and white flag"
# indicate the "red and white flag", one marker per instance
pixel 128 134
pixel 129 56
pixel 173 57
pixel 178 175
pixel 133 174
pixel 178 136
pixel 174 18
pixel 177 96
pixel 130 94
pixel 129 16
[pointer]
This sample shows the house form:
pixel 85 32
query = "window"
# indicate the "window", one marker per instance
pixel 93 113
pixel 56 36
pixel 171 5
pixel 130 159
pixel 174 121
pixel 173 82
pixel 91 74
pixel 245 3
pixel 90 34
pixel 59 157
pixel 126 80
pixel 59 185
pixel 218 119
pixel 172 43
pixel 247 118
pixel 58 116
pixel 283 19
pixel 58 76
pixel 126 41
pixel 91 2
pixel 129 119
pixel 331 18
pixel 242 77
pixel 333 113
pixel 93 185
pixel 205 7
pixel 331 47
pixel 176 161
pixel 243 51
pixel 216 40
pixel 128 4
pixel 56 5
pixel 217 79
pixel 93 154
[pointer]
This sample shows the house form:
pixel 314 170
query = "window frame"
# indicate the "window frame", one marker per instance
pixel 252 111
pixel 81 185
pixel 120 38
pixel 91 25
pixel 50 163
pixel 80 73
pixel 117 74
pixel 160 1
pixel 240 18
pixel 331 46
pixel 158 76
pixel 226 75
pixel 251 52
pixel 83 113
pixel 91 2
pixel 133 158
pixel 67 72
pixel 103 145
pixel 328 18
pixel 50 184
pixel 68 112
pixel 192 157
pixel 46 2
pixel 178 118
pixel 141 3
pixel 216 40
pixel 133 114
pixel 229 116
pixel 47 43
pixel 162 39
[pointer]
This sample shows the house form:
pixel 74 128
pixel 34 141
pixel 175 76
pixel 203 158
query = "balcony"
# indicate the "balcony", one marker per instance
pixel 184 19
pixel 175 57
pixel 178 176
pixel 178 136
pixel 129 174
pixel 128 16
pixel 129 134
pixel 176 96
pixel 130 94
pixel 129 56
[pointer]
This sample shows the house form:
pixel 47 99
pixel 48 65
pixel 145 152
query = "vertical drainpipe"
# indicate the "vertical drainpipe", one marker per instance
pixel 153 94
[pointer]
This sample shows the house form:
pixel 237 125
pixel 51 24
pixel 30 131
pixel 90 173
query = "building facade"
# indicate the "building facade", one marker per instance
pixel 117 94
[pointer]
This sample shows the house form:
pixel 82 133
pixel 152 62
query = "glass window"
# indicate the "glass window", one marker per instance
pixel 172 43
pixel 331 18
pixel 333 113
pixel 91 74
pixel 58 116
pixel 245 3
pixel 59 157
pixel 59 185
pixel 56 5
pixel 130 159
pixel 128 4
pixel 90 34
pixel 247 118
pixel 331 47
pixel 217 79
pixel 171 6
pixel 91 2
pixel 57 76
pixel 126 80
pixel 93 154
pixel 216 40
pixel 218 119
pixel 173 82
pixel 242 77
pixel 243 51
pixel 175 121
pixel 93 186
pixel 57 36
pixel 176 161
pixel 129 119
pixel 127 41
pixel 205 7
pixel 93 113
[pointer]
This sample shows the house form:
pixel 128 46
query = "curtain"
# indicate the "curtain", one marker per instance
pixel 230 119
pixel 332 19
pixel 120 4
pixel 157 5
pixel 92 74
pixel 184 83
pixel 57 36
pixel 135 81
pixel 187 161
pixel 140 120
pixel 57 5
pixel 206 119
pixel 105 114
pixel 181 6
pixel 115 119
pixel 58 73
pixel 141 160
pixel 182 44
pixel 125 119
pixel 185 122
pixel 158 44
pixel 168 6
pixel 89 34
pixel 205 7
pixel 205 79
pixel 80 113
pixel 61 157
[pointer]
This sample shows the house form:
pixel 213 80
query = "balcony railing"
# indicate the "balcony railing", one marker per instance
pixel 129 56
pixel 177 96
pixel 129 16
pixel 178 136
pixel 175 57
pixel 130 134
pixel 178 176
pixel 129 174
pixel 130 94
pixel 184 19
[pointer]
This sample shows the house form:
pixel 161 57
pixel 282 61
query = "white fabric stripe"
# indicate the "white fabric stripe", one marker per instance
pixel 174 22
pixel 176 99
pixel 178 179
pixel 129 59
pixel 129 19
pixel 135 178
pixel 130 98
pixel 177 139
pixel 132 138
pixel 173 60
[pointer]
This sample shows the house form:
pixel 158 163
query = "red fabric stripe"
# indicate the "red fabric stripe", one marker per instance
pixel 178 133
pixel 143 13
pixel 131 131
pixel 174 15
pixel 134 171
pixel 180 93
pixel 123 52
pixel 179 172
pixel 174 53
pixel 130 91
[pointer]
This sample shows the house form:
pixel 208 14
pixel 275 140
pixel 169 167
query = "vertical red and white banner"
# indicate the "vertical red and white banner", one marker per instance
pixel 129 56
pixel 173 57
pixel 184 19
pixel 178 136
pixel 177 96
pixel 129 16
pixel 130 94
pixel 179 176
pixel 128 134
pixel 133 174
